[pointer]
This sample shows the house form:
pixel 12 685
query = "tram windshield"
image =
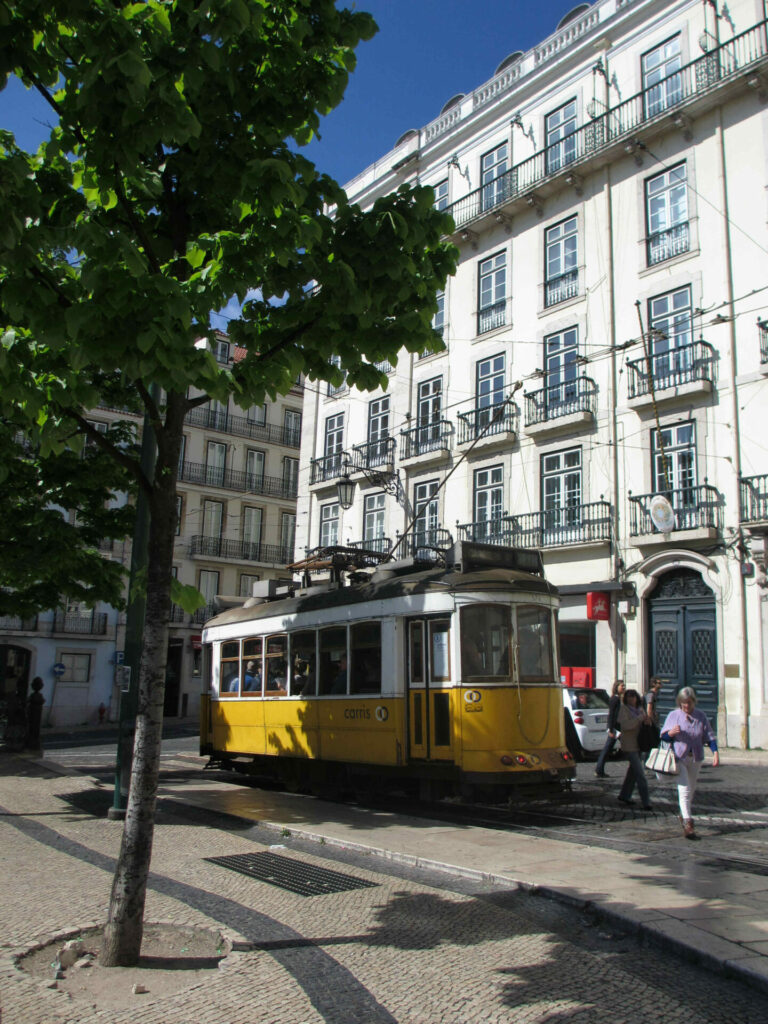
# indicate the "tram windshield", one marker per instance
pixel 486 633
pixel 534 634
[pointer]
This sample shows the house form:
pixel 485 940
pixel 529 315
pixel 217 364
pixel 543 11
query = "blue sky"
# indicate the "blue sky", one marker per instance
pixel 425 52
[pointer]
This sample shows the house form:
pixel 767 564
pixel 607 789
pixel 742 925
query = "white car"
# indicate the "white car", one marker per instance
pixel 586 720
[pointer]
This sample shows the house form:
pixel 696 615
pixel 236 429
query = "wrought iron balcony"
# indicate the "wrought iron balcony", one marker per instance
pixel 384 366
pixel 226 423
pixel 694 508
pixel 617 124
pixel 663 245
pixel 762 326
pixel 578 395
pixel 232 480
pixel 380 545
pixel 424 545
pixel 753 495
pixel 17 622
pixel 500 530
pixel 431 437
pixel 491 317
pixel 378 455
pixel 487 421
pixel 177 614
pixel 573 524
pixel 329 467
pixel 240 550
pixel 203 614
pixel 558 289
pixel 682 365
pixel 95 623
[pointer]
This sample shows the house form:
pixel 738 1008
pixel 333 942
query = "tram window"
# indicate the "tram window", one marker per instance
pixel 333 660
pixel 276 665
pixel 485 642
pixel 439 652
pixel 534 629
pixel 229 676
pixel 417 652
pixel 365 650
pixel 253 667
pixel 304 662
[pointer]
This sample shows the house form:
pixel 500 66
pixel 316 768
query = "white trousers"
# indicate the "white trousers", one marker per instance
pixel 687 777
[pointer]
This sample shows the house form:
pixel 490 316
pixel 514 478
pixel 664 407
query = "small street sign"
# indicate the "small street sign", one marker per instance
pixel 59 668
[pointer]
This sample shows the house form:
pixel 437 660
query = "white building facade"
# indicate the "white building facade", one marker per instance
pixel 600 394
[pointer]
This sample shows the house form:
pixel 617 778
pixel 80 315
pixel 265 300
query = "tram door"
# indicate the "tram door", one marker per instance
pixel 429 695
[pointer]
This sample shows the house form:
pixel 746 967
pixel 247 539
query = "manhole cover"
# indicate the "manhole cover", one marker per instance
pixel 294 875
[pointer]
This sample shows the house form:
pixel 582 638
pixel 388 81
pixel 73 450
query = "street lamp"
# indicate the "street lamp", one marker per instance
pixel 346 490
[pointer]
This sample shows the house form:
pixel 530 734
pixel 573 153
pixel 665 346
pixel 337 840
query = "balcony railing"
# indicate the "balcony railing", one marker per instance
pixel 236 480
pixel 424 545
pixel 330 467
pixel 491 317
pixel 268 433
pixel 682 365
pixel 573 524
pixel 762 326
pixel 431 437
pixel 380 545
pixel 558 289
pixel 663 245
pixel 241 550
pixel 66 622
pixel 384 366
pixel 177 614
pixel 694 508
pixel 753 494
pixel 578 395
pixel 487 421
pixel 489 531
pixel 373 455
pixel 18 622
pixel 722 63
pixel 203 614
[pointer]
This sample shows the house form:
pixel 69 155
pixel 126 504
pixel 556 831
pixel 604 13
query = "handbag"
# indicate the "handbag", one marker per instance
pixel 662 760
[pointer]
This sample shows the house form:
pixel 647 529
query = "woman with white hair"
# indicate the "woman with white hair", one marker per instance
pixel 687 730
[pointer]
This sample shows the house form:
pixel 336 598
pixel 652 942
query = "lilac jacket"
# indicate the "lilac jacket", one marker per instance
pixel 695 731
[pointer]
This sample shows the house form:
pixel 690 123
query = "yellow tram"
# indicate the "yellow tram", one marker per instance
pixel 440 677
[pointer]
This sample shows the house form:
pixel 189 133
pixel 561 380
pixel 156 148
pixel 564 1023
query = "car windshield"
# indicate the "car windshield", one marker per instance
pixel 594 700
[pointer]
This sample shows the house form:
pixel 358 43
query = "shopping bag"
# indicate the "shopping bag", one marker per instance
pixel 662 760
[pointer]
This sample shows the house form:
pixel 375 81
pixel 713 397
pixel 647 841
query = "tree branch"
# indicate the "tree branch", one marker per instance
pixel 135 224
pixel 119 456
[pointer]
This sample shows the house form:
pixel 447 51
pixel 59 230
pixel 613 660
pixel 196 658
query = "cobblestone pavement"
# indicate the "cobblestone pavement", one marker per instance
pixel 414 948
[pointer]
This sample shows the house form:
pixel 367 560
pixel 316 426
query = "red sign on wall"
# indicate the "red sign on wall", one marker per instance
pixel 598 605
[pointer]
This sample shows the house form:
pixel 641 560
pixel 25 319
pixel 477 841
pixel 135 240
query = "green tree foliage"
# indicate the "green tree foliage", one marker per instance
pixel 173 179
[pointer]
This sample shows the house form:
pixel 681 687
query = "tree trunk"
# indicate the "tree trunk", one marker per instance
pixel 123 931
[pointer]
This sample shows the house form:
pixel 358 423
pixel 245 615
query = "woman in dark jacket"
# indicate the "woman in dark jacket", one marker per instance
pixel 613 714
pixel 631 716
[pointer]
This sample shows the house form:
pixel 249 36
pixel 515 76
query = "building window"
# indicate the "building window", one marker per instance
pixel 666 207
pixel 425 506
pixel 246 584
pixel 182 453
pixel 560 365
pixel 489 388
pixel 292 426
pixel 254 470
pixel 334 439
pixel 221 351
pixel 209 585
pixel 212 517
pixel 335 389
pixel 671 330
pixel 673 450
pixel 488 503
pixel 492 293
pixel 77 667
pixel 662 81
pixel 329 524
pixel 287 534
pixel 561 493
pixel 493 177
pixel 373 518
pixel 215 463
pixel 179 506
pixel 252 520
pixel 378 430
pixel 438 320
pixel 441 194
pixel 561 140
pixel 257 414
pixel 561 244
pixel 290 475
pixel 428 414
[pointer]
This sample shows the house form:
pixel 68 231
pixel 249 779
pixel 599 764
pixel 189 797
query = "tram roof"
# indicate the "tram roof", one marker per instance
pixel 429 581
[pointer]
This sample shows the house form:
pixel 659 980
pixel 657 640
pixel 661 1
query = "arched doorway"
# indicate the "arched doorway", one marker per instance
pixel 682 636
pixel 14 682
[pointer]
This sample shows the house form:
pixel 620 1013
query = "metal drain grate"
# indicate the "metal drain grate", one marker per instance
pixel 294 875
